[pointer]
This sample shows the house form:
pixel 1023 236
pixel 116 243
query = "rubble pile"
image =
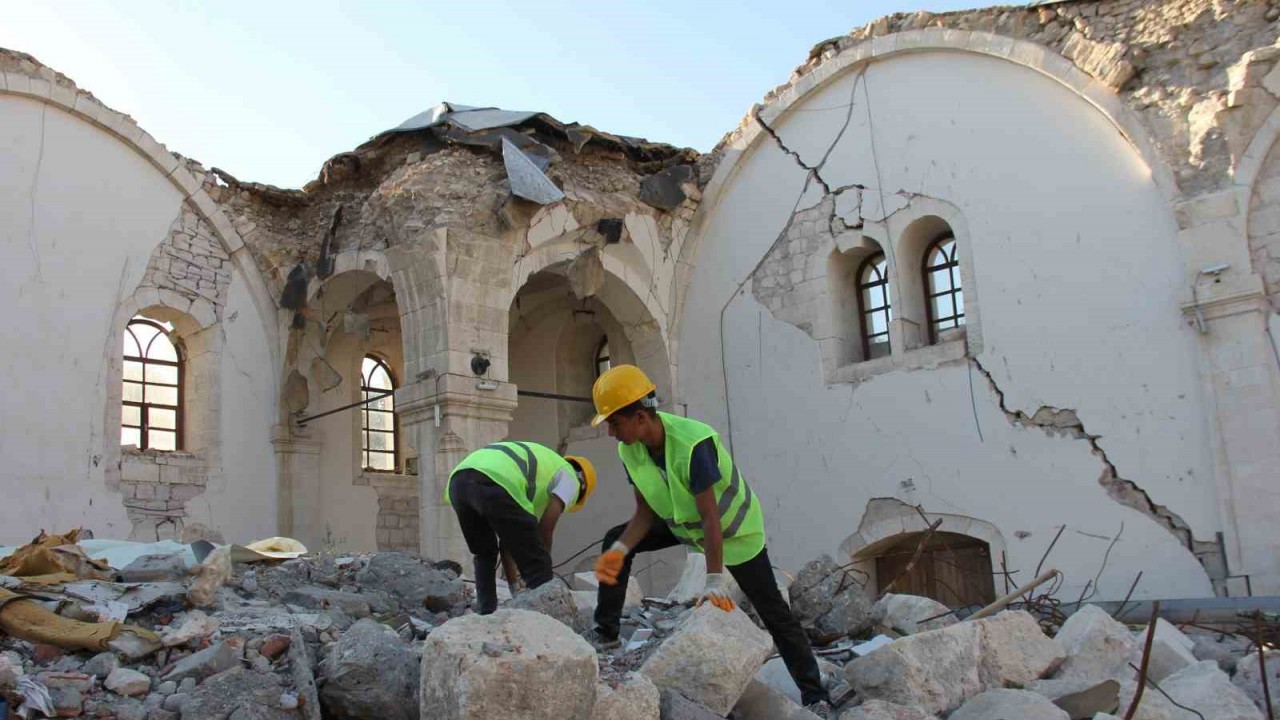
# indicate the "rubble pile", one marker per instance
pixel 391 636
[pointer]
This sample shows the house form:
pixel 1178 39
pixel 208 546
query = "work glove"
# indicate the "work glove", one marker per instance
pixel 716 593
pixel 609 565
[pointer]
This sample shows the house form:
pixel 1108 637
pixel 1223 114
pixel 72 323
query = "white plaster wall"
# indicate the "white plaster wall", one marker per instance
pixel 79 216
pixel 240 502
pixel 1078 273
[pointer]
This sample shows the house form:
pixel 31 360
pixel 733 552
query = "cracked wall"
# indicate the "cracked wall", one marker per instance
pixel 1079 310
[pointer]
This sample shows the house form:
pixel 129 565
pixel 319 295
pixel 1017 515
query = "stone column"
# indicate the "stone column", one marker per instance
pixel 449 416
pixel 298 504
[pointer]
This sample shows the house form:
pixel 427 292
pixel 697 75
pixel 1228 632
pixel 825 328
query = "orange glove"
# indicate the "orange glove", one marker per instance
pixel 716 593
pixel 609 565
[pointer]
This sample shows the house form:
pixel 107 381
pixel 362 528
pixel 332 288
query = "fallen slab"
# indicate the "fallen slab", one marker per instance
pixel 710 658
pixel 634 698
pixel 513 664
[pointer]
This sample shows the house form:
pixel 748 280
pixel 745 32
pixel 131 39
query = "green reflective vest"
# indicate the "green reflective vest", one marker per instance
pixel 741 519
pixel 523 469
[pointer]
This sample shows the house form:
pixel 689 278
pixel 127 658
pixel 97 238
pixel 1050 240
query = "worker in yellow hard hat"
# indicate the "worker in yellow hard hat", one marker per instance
pixel 509 496
pixel 684 477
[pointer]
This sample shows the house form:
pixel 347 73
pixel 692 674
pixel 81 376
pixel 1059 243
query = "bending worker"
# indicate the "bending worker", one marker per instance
pixel 688 491
pixel 513 493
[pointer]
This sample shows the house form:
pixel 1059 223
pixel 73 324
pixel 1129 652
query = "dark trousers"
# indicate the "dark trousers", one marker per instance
pixel 755 577
pixel 491 520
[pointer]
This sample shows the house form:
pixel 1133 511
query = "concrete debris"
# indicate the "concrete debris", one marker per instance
pixel 553 599
pixel 934 671
pixel 675 706
pixel 711 657
pixel 153 568
pixel 910 614
pixel 208 662
pixel 123 681
pixel 1098 647
pixel 196 627
pixel 210 575
pixel 1222 648
pixel 1001 703
pixel 238 692
pixel 761 702
pixel 1080 698
pixel 1202 687
pixel 633 698
pixel 1170 650
pixel 881 710
pixel 665 190
pixel 1249 679
pixel 355 605
pixel 774 673
pixel 413 582
pixel 1014 651
pixel 370 672
pixel 829 602
pixel 543 669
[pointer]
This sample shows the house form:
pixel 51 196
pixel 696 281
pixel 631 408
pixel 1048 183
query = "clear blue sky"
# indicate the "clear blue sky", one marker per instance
pixel 269 90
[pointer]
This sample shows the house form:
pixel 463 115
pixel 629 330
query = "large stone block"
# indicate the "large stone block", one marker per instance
pixel 1015 652
pixel 828 602
pixel 412 582
pixel 710 658
pixel 239 692
pixel 1170 650
pixel 1249 679
pixel 370 672
pixel 761 702
pixel 881 710
pixel 775 674
pixel 910 614
pixel 553 599
pixel 1000 703
pixel 1098 647
pixel 1081 699
pixel 935 671
pixel 1201 687
pixel 675 706
pixel 513 664
pixel 635 698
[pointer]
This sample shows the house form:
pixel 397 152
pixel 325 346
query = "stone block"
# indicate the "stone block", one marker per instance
pixel 1249 679
pixel 935 671
pixel 315 598
pixel 881 710
pixel 553 599
pixel 1014 651
pixel 123 681
pixel 205 663
pixel 370 672
pixel 710 658
pixel 1226 650
pixel 910 614
pixel 236 693
pixel 513 664
pixel 774 673
pixel 1170 650
pixel 1098 647
pixel 635 698
pixel 1080 698
pixel 675 706
pixel 151 568
pixel 828 602
pixel 1202 687
pixel 1001 703
pixel 412 582
pixel 761 702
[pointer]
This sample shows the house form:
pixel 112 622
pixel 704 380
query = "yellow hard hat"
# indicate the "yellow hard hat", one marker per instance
pixel 617 388
pixel 588 480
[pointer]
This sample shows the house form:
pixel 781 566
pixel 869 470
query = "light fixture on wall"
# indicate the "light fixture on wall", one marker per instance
pixel 1214 271
pixel 480 364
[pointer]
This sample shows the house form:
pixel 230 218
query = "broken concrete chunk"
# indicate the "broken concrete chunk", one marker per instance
pixel 761 702
pixel 369 672
pixel 881 710
pixel 1001 703
pixel 101 664
pixel 1014 651
pixel 1080 698
pixel 828 602
pixel 195 627
pixel 935 671
pixel 774 673
pixel 1249 679
pixel 302 671
pixel 1170 650
pixel 910 614
pixel 153 568
pixel 239 690
pixel 553 599
pixel 412 582
pixel 210 575
pixel 1098 647
pixel 205 663
pixel 675 706
pixel 710 658
pixel 1226 650
pixel 664 190
pixel 1201 686
pixel 635 698
pixel 544 671
pixel 123 681
pixel 314 598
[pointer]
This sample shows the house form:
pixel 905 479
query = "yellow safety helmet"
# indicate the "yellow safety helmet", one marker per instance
pixel 617 388
pixel 588 480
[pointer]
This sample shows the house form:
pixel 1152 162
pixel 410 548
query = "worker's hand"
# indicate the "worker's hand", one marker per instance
pixel 716 593
pixel 609 565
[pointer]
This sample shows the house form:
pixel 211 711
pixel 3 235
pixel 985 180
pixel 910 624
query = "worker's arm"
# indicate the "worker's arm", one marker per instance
pixel 509 569
pixel 547 525
pixel 712 541
pixel 640 524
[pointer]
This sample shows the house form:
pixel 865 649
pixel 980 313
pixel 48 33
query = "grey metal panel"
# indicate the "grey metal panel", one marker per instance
pixel 485 118
pixel 527 181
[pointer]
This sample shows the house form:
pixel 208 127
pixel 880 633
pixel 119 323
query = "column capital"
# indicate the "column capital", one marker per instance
pixel 456 396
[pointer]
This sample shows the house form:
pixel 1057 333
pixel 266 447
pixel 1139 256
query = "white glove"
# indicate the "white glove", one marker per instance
pixel 716 592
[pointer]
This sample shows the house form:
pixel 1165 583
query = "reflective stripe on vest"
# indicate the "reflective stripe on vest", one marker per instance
pixel 527 465
pixel 668 495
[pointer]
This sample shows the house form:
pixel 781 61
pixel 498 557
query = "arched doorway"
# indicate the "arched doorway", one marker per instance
pixel 954 569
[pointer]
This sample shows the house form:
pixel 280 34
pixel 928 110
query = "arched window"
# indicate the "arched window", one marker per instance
pixel 602 357
pixel 151 407
pixel 378 418
pixel 944 299
pixel 873 306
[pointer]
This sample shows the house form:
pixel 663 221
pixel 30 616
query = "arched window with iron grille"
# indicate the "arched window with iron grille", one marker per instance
pixel 944 297
pixel 151 401
pixel 873 306
pixel 378 446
